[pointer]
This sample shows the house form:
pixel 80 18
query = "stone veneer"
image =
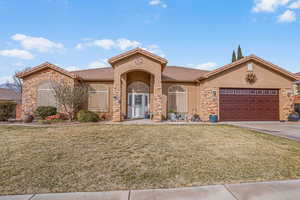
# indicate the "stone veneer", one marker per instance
pixel 208 103
pixel 31 84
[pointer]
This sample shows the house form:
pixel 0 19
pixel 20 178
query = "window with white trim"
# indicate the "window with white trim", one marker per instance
pixel 177 99
pixel 46 95
pixel 98 98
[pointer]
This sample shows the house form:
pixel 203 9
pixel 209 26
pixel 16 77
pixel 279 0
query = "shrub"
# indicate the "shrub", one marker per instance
pixel 45 111
pixel 7 110
pixel 87 116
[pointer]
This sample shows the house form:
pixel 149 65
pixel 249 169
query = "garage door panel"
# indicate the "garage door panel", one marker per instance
pixel 249 105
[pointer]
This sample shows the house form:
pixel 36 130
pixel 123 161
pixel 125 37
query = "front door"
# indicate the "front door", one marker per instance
pixel 137 105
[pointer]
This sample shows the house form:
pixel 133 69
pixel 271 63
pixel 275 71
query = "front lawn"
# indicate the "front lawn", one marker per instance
pixel 116 157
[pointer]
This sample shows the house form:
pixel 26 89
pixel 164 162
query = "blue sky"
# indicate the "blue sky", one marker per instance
pixel 80 34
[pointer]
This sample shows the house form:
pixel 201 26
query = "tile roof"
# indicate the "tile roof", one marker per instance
pixel 9 95
pixel 171 73
pixel 44 66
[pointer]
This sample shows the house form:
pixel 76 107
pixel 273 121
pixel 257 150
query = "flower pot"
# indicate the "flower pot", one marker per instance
pixel 293 117
pixel 172 116
pixel 28 118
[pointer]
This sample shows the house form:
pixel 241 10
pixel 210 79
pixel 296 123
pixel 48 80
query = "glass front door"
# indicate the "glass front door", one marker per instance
pixel 137 105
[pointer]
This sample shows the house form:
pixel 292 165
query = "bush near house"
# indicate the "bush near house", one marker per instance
pixel 7 110
pixel 45 111
pixel 87 116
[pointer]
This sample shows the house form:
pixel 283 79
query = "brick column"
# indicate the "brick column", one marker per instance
pixel 117 117
pixel 157 99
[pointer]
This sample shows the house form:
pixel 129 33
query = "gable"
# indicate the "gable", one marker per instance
pixel 254 59
pixel 46 66
pixel 140 52
pixel 236 77
pixel 138 62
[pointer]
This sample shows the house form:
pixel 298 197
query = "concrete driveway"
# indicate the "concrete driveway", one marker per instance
pixel 283 129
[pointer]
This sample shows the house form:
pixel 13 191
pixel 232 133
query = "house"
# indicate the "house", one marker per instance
pixel 139 83
pixel 8 96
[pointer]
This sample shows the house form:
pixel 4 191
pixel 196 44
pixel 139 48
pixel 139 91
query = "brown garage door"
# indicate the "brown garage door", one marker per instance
pixel 249 105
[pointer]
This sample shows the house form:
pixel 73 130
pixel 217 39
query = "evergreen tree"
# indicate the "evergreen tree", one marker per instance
pixel 240 53
pixel 233 56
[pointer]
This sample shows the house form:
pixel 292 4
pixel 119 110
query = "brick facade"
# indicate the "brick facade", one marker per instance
pixel 31 84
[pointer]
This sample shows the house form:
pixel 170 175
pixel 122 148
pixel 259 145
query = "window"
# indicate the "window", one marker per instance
pixel 98 98
pixel 177 99
pixel 45 96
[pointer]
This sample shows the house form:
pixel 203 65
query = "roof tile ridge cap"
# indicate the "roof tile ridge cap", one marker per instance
pixel 220 69
pixel 122 54
pixel 60 69
pixel 276 67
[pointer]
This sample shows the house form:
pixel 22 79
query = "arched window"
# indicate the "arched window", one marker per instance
pixel 98 98
pixel 177 99
pixel 138 87
pixel 45 95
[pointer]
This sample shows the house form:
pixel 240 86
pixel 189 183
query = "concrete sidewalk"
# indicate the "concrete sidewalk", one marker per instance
pixel 277 190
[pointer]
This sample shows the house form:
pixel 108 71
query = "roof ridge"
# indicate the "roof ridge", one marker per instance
pixel 188 68
pixel 44 65
pixel 92 69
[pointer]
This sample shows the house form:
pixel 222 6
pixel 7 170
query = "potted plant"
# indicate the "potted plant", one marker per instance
pixel 172 115
pixel 294 117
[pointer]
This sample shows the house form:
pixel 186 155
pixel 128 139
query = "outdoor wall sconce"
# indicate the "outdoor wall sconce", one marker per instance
pixel 214 92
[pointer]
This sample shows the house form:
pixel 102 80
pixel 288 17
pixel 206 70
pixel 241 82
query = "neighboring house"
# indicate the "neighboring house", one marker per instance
pixel 297 96
pixel 11 97
pixel 139 82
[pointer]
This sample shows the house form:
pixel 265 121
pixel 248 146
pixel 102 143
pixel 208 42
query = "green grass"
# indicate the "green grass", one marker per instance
pixel 116 157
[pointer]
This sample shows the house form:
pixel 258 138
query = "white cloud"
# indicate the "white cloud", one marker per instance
pixel 72 68
pixel 6 79
pixel 17 53
pixel 125 44
pixel 38 43
pixel 287 17
pixel 205 66
pixel 105 43
pixel 108 44
pixel 99 64
pixel 295 5
pixel 268 5
pixel 158 3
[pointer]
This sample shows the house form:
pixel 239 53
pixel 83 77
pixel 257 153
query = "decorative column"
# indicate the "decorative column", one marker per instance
pixel 123 95
pixel 117 117
pixel 157 101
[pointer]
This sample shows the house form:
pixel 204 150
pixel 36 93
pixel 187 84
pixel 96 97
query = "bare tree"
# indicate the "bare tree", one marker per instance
pixel 70 97
pixel 17 83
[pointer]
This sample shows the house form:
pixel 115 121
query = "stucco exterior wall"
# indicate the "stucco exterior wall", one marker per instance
pixel 192 96
pixel 31 84
pixel 236 78
pixel 109 86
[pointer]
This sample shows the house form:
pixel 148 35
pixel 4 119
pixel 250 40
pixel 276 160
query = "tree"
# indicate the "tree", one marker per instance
pixel 17 83
pixel 240 53
pixel 233 56
pixel 70 97
pixel 298 89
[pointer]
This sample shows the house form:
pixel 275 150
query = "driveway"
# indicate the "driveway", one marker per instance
pixel 283 129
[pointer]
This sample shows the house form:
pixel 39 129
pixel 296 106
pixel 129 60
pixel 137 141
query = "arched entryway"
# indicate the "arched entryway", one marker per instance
pixel 138 103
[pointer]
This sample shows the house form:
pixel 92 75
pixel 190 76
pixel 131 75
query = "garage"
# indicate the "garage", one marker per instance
pixel 249 104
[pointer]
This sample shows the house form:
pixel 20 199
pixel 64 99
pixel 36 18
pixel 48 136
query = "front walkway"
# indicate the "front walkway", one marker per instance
pixel 278 190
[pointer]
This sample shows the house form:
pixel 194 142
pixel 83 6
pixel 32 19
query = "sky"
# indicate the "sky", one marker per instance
pixel 81 34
